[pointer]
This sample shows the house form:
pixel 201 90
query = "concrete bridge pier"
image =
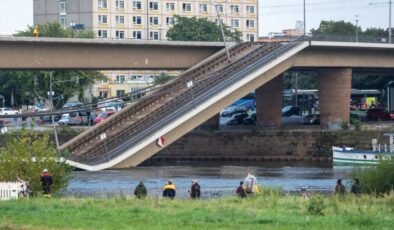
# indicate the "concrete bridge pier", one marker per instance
pixel 212 123
pixel 334 96
pixel 269 103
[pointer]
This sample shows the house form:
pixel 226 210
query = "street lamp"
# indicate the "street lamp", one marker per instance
pixel 222 30
pixel 51 93
pixel 356 27
pixel 304 19
pixel 103 137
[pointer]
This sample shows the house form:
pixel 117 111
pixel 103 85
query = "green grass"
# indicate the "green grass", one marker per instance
pixel 269 211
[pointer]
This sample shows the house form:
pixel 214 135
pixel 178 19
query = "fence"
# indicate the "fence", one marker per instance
pixel 10 190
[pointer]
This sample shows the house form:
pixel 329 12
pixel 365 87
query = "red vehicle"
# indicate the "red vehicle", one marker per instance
pixel 102 116
pixel 378 114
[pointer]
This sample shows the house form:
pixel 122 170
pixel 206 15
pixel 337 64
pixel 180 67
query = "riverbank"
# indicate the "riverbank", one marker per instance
pixel 271 210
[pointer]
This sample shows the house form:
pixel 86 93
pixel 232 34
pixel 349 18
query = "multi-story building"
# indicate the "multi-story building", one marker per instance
pixel 143 20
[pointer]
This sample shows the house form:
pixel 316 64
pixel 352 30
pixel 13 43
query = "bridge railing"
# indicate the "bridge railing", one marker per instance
pixel 202 92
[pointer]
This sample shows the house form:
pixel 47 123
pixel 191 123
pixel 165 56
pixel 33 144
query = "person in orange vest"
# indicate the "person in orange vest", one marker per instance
pixel 36 31
pixel 46 181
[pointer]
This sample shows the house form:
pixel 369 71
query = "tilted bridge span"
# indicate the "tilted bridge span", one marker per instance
pixel 174 109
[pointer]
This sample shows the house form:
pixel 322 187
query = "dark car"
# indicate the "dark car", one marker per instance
pixel 313 119
pixel 289 110
pixel 250 120
pixel 229 111
pixel 1 123
pixel 377 114
pixel 237 119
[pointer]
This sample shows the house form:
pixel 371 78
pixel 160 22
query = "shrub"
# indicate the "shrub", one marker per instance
pixel 27 155
pixel 316 206
pixel 377 178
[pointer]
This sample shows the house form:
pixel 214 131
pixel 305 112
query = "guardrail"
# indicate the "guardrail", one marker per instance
pixel 199 89
pixel 10 190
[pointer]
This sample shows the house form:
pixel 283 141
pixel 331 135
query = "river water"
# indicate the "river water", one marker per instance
pixel 215 181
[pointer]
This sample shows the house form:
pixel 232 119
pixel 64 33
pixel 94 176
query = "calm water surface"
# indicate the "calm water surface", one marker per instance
pixel 214 181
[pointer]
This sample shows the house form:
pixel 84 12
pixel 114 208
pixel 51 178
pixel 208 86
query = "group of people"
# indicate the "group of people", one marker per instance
pixel 247 186
pixel 355 189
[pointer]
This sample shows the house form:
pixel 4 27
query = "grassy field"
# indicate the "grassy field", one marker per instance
pixel 268 211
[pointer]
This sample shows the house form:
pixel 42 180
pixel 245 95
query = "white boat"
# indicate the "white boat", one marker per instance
pixel 348 155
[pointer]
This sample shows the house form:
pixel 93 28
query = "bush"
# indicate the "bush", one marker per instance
pixel 356 123
pixel 377 179
pixel 316 206
pixel 27 155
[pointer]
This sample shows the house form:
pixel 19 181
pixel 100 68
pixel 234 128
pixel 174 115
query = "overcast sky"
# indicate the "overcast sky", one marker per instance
pixel 275 15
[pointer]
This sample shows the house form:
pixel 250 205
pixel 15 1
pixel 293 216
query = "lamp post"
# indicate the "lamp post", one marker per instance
pixel 51 93
pixel 222 30
pixel 304 19
pixel 103 137
pixel 356 27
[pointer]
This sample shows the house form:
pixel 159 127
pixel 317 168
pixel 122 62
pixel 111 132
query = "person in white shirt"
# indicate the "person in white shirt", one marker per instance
pixel 250 183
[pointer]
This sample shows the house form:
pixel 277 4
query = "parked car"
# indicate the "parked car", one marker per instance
pixel 65 120
pixel 72 104
pixel 229 111
pixel 290 110
pixel 312 119
pixel 102 116
pixel 378 114
pixel 1 123
pixel 237 119
pixel 251 119
pixel 112 104
pixel 8 111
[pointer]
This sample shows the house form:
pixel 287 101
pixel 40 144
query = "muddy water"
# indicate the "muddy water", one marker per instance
pixel 214 181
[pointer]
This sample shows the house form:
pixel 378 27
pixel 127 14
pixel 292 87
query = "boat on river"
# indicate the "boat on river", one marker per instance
pixel 348 155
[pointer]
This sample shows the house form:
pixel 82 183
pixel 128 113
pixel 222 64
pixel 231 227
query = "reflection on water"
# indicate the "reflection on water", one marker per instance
pixel 214 181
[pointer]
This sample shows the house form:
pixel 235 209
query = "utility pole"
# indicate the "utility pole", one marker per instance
pixel 50 94
pixel 356 27
pixel 221 28
pixel 304 19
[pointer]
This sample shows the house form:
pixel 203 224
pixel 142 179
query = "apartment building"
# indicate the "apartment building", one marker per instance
pixel 142 20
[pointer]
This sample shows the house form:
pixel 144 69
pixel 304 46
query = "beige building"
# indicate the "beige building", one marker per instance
pixel 142 20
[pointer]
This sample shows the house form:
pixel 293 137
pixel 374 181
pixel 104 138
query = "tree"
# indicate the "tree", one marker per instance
pixel 163 78
pixel 199 29
pixel 27 155
pixel 26 87
pixel 336 28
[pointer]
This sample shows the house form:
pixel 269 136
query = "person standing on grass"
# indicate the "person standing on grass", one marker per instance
pixel 340 188
pixel 356 188
pixel 195 190
pixel 46 181
pixel 169 190
pixel 240 190
pixel 140 191
pixel 250 183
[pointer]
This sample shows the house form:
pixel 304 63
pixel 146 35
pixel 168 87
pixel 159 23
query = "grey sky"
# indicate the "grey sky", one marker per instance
pixel 275 15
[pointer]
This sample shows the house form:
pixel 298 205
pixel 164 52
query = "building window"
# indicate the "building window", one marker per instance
pixel 136 77
pixel 119 19
pixel 103 94
pixel 137 20
pixel 250 37
pixel 203 8
pixel 119 93
pixel 170 6
pixel 187 7
pixel 153 5
pixel 234 23
pixel 62 8
pixel 119 34
pixel 154 20
pixel 63 21
pixel 234 9
pixel 119 4
pixel 219 8
pixel 250 23
pixel 137 5
pixel 137 35
pixel 250 9
pixel 154 35
pixel 170 20
pixel 102 19
pixel 102 3
pixel 120 79
pixel 102 34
